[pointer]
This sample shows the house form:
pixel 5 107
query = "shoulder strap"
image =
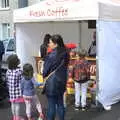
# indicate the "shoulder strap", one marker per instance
pixel 46 78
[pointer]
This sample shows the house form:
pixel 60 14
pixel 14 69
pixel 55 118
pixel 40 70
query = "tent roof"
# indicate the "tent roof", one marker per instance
pixel 61 10
pixel 110 11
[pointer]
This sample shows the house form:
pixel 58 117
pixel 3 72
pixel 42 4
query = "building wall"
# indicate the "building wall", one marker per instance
pixel 31 2
pixel 6 15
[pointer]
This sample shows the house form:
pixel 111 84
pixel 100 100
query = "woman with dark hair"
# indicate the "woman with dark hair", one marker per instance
pixel 56 63
pixel 44 46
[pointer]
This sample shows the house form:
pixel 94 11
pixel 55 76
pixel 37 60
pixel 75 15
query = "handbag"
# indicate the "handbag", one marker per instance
pixel 45 80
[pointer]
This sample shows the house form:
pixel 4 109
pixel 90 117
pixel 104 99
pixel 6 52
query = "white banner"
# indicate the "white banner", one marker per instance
pixel 61 10
pixel 54 10
pixel 109 62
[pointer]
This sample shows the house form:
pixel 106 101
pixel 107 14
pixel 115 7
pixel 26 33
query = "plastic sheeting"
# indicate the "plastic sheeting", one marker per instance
pixel 109 62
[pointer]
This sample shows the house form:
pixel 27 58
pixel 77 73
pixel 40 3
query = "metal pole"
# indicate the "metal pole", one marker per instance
pixel 80 30
pixel 97 63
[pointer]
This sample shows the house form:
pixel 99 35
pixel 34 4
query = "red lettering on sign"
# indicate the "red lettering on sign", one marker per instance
pixel 37 13
pixel 57 12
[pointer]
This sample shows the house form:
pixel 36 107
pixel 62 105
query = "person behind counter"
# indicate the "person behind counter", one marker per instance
pixel 92 49
pixel 56 62
pixel 44 46
pixel 44 50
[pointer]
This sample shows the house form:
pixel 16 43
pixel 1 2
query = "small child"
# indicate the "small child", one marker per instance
pixel 81 76
pixel 28 91
pixel 13 79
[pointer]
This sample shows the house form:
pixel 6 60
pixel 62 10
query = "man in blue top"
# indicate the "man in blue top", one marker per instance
pixel 2 50
pixel 92 49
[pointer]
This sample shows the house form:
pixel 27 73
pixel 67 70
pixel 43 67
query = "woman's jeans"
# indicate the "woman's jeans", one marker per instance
pixel 55 104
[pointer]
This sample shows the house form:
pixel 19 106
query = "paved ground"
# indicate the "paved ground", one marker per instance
pixel 91 114
pixel 95 114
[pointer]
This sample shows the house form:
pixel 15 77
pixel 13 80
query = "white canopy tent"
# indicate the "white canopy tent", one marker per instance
pixel 58 10
pixel 62 16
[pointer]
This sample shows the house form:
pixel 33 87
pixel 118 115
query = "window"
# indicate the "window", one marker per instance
pixel 4 3
pixel 22 3
pixel 4 31
pixel 91 24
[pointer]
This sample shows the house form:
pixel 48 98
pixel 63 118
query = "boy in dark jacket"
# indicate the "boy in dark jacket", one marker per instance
pixel 81 76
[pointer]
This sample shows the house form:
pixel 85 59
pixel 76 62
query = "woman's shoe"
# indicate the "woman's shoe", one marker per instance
pixel 107 108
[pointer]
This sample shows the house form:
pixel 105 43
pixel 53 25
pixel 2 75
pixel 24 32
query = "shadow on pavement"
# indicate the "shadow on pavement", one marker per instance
pixel 4 104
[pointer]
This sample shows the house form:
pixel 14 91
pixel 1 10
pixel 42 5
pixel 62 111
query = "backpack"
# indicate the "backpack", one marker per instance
pixel 80 72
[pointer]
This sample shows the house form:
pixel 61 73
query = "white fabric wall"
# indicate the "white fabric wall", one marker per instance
pixel 29 37
pixel 109 62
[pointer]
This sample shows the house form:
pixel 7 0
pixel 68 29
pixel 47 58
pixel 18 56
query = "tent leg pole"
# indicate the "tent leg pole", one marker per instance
pixel 97 65
pixel 80 30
